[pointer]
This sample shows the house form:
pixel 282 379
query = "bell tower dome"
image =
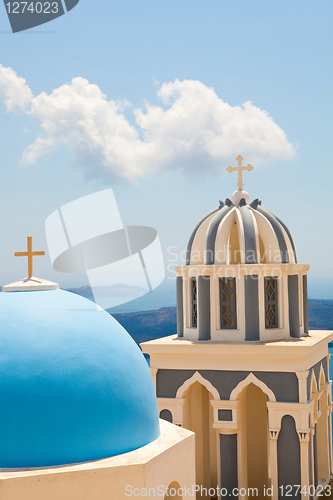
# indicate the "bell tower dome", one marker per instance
pixel 241 280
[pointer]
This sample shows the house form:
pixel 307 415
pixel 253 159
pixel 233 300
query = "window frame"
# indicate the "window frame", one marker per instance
pixel 224 282
pixel 270 302
pixel 194 303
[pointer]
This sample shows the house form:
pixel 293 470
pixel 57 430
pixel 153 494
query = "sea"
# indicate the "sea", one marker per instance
pixel 163 296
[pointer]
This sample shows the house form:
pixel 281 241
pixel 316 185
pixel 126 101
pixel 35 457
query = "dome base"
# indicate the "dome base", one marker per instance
pixel 30 284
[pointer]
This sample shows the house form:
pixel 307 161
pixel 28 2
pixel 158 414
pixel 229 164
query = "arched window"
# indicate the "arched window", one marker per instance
pixel 271 302
pixel 228 316
pixel 289 456
pixel 174 491
pixel 194 303
pixel 166 415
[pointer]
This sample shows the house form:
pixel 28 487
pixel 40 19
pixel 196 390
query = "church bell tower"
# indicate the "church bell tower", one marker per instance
pixel 244 372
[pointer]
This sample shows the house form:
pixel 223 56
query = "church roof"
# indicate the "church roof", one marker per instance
pixel 74 386
pixel 239 232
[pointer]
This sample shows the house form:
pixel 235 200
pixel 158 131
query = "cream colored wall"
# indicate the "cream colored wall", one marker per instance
pixel 242 440
pixel 214 447
pixel 234 247
pixel 268 237
pixel 199 242
pixel 280 356
pixel 323 426
pixel 257 437
pixel 197 418
pixel 170 458
pixel 222 237
pixel 322 439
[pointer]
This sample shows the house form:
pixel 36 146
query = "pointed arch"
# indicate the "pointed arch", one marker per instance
pixel 313 383
pixel 322 378
pixel 252 379
pixel 197 377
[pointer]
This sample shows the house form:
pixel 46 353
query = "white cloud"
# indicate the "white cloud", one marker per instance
pixel 199 121
pixel 14 91
pixel 192 129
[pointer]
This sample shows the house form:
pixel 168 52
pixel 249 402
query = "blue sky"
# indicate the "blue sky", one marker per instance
pixel 277 55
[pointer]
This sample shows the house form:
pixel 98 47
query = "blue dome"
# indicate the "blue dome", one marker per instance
pixel 74 386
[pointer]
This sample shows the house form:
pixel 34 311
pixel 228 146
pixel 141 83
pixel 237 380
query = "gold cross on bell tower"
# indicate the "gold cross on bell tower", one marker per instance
pixel 240 171
pixel 30 254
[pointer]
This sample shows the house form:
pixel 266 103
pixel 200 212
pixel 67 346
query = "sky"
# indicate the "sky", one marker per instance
pixel 155 99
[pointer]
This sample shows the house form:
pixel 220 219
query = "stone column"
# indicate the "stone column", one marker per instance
pixel 304 438
pixel 311 434
pixel 330 432
pixel 274 434
pixel 153 372
pixel 302 386
pixel 180 306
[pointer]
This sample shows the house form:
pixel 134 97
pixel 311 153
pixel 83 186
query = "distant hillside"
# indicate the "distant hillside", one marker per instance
pixel 321 314
pixel 114 291
pixel 148 325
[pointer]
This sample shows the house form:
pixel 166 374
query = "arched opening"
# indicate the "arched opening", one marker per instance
pixel 166 415
pixel 198 418
pixel 323 433
pixel 288 448
pixel 253 436
pixel 174 491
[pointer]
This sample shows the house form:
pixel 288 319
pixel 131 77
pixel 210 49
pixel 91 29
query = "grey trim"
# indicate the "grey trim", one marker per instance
pixel 229 470
pixel 251 308
pixel 166 415
pixel 169 381
pixel 326 368
pixel 225 415
pixel 203 307
pixel 195 230
pixel 277 229
pixel 249 235
pixel 316 369
pixel 180 306
pixel 293 301
pixel 289 457
pixel 305 304
pixel 212 232
pixel 308 384
pixel 283 384
pixel 289 236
